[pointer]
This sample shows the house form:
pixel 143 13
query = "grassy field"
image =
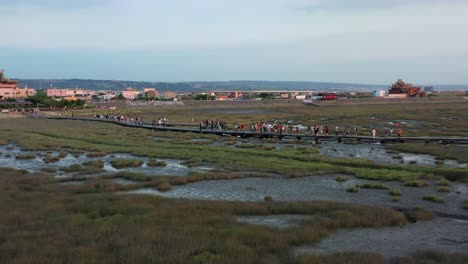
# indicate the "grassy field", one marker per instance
pixel 431 118
pixel 48 221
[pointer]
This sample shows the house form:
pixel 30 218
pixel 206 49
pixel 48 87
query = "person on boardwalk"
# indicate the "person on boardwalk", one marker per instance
pixel 374 132
pixel 399 132
pixel 355 131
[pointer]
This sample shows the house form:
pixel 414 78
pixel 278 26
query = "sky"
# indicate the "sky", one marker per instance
pixel 352 41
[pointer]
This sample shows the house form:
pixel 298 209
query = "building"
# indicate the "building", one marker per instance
pixel 10 89
pixel 169 95
pixel 130 93
pixel 328 96
pixel 151 93
pixel 400 89
pixel 67 93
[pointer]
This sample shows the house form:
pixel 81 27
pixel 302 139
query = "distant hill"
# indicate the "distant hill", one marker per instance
pixel 206 86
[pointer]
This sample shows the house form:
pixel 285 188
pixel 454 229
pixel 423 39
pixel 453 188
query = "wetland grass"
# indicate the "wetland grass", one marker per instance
pixel 378 186
pixel 156 163
pixel 443 189
pixel 395 193
pixel 433 198
pixel 416 183
pixel 25 156
pixel 110 228
pixel 341 178
pixel 126 163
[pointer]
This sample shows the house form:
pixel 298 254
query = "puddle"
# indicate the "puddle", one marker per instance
pixel 173 168
pixel 276 221
pixel 318 188
pixel 440 235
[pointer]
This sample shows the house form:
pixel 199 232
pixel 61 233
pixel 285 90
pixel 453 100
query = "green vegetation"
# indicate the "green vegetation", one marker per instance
pixel 90 223
pixel 99 227
pixel 444 183
pixel 419 214
pixel 157 163
pixel 25 156
pixel 96 154
pixel 433 198
pixel 443 189
pixel 94 163
pixel 373 186
pixel 416 183
pixel 341 178
pixel 465 204
pixel 125 163
pixel 353 189
pixel 50 159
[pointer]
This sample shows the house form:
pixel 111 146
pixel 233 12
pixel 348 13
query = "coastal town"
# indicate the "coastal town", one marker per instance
pixel 10 92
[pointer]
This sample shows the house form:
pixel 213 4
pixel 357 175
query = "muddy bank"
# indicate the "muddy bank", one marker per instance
pixel 440 235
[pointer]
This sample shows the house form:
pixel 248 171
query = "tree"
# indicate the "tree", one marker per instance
pixel 120 97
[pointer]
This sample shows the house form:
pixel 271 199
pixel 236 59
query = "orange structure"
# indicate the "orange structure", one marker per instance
pixel 402 88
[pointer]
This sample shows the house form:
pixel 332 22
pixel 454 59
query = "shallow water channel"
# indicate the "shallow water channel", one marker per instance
pixel 319 188
pixel 9 153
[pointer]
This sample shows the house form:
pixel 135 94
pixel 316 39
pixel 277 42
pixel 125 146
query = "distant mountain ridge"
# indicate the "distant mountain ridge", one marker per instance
pixel 207 86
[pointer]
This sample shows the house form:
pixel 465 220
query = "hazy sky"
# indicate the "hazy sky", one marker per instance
pixel 360 41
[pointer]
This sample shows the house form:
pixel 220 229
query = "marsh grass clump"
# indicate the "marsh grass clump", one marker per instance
pixel 164 185
pixel 353 189
pixel 413 162
pixel 379 186
pixel 433 198
pixel 444 183
pixel 416 183
pixel 395 193
pixel 126 163
pixel 465 204
pixel 341 178
pixel 96 154
pixel 419 214
pixel 94 163
pixel 73 168
pixel 443 189
pixel 246 146
pixel 25 156
pixel 193 162
pixel 50 159
pixel 157 163
pixel 395 199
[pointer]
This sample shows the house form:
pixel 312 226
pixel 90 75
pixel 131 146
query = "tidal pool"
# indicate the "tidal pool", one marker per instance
pixel 9 153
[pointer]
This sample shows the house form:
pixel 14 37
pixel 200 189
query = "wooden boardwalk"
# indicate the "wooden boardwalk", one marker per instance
pixel 190 128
